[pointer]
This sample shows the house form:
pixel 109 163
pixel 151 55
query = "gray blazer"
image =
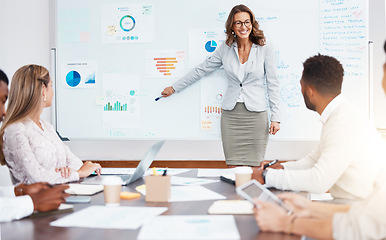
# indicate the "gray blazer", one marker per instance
pixel 260 68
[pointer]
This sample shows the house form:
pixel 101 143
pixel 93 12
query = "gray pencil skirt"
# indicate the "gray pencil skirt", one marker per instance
pixel 244 136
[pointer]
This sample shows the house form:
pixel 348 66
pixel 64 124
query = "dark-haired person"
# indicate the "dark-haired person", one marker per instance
pixel 362 220
pixel 31 147
pixel 20 201
pixel 347 158
pixel 248 63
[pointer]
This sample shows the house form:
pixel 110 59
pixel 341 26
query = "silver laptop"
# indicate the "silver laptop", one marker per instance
pixel 143 165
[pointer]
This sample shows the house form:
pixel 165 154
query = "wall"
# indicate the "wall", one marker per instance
pixel 24 39
pixel 377 33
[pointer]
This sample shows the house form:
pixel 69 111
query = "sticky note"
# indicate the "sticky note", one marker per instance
pixel 129 195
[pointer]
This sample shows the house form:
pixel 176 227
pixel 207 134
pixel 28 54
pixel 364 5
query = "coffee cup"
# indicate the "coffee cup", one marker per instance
pixel 243 175
pixel 112 190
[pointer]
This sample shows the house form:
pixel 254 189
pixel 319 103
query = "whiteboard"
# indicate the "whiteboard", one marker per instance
pixel 107 52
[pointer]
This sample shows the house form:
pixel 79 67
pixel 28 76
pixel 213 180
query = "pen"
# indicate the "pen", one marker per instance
pixel 270 164
pixel 158 98
pixel 164 174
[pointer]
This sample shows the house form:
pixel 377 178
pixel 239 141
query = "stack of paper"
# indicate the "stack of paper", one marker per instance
pixel 109 217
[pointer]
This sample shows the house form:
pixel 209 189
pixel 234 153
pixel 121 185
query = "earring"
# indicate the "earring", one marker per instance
pixel 234 34
pixel 44 99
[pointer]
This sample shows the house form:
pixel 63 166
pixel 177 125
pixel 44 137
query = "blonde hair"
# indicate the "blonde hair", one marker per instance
pixel 25 96
pixel 256 35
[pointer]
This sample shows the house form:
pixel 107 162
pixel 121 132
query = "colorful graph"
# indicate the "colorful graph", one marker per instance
pixel 127 23
pixel 73 78
pixel 210 46
pixel 118 106
pixel 211 109
pixel 166 65
pixel 90 79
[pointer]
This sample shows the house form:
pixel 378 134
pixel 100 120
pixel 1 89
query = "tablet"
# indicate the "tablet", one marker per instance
pixel 253 189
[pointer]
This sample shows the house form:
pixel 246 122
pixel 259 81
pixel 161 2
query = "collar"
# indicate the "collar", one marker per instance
pixel 330 108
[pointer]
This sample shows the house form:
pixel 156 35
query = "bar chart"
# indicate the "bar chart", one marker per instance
pixel 116 106
pixel 213 110
pixel 165 65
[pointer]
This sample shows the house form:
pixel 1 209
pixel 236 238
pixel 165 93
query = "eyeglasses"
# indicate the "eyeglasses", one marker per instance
pixel 239 24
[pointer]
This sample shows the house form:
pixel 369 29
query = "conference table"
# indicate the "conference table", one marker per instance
pixel 39 227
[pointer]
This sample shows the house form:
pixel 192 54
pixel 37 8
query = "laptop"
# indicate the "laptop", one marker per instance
pixel 143 165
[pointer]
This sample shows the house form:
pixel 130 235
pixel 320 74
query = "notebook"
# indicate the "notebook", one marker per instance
pixel 83 189
pixel 143 165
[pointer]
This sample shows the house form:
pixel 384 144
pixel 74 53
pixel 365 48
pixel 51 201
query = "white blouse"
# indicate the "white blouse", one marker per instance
pixel 32 154
pixel 241 75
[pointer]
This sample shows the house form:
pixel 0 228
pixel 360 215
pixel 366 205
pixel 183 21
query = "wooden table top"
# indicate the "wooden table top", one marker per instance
pixel 39 228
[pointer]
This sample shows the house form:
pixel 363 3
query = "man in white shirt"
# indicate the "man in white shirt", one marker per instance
pixel 361 220
pixel 350 150
pixel 22 200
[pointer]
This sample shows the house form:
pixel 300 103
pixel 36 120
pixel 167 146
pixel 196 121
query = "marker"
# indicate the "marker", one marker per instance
pixel 164 174
pixel 270 164
pixel 158 98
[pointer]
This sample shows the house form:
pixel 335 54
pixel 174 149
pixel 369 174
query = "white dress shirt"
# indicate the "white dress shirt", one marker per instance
pixel 32 154
pixel 365 219
pixel 345 162
pixel 12 207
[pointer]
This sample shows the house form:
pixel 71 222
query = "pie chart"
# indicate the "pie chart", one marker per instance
pixel 127 23
pixel 73 78
pixel 210 46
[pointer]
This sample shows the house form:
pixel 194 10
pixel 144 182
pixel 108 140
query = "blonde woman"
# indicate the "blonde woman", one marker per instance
pixel 30 146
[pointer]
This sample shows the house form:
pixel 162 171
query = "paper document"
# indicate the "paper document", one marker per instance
pixel 109 217
pixel 190 227
pixel 231 207
pixel 321 197
pixel 83 189
pixel 191 193
pixel 190 181
pixel 209 172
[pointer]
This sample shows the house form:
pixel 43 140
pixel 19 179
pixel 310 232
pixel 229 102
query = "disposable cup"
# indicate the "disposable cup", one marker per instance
pixel 243 175
pixel 112 190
